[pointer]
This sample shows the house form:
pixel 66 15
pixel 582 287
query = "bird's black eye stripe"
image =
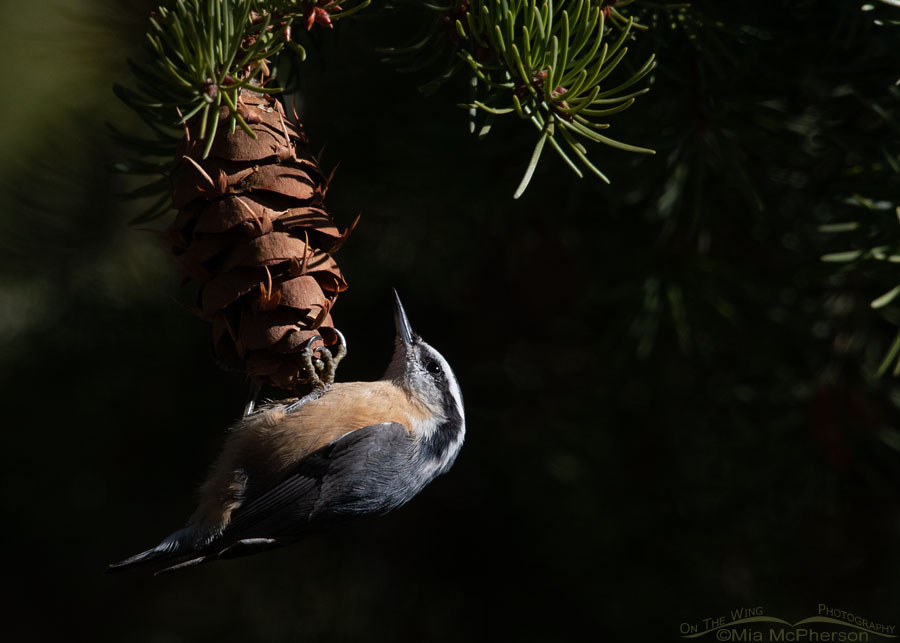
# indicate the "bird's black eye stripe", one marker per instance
pixel 433 367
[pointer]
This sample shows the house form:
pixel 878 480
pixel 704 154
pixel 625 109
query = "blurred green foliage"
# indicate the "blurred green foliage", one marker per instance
pixel 671 400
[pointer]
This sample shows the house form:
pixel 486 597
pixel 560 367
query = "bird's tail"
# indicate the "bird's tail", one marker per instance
pixel 175 547
pixel 181 550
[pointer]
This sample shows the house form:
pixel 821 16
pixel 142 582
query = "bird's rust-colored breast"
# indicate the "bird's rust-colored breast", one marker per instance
pixel 268 442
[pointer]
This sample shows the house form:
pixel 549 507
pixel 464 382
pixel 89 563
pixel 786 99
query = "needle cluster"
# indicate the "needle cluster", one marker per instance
pixel 549 62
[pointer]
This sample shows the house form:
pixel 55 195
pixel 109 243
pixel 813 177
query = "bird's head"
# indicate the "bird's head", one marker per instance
pixel 422 372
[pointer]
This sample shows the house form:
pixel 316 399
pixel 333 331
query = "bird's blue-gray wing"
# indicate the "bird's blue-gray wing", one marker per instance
pixel 366 472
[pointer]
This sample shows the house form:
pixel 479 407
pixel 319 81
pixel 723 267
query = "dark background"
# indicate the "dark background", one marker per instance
pixel 670 402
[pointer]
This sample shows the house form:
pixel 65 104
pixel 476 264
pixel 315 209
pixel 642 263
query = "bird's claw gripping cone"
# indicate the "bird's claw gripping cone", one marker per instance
pixel 320 370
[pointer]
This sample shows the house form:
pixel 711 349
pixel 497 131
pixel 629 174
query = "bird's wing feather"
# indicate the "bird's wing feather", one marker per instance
pixel 346 477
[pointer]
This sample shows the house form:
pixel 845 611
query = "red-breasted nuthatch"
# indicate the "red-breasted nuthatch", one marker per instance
pixel 359 449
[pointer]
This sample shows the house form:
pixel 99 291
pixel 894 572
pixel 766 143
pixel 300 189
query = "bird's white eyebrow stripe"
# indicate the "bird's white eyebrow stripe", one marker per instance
pixel 456 392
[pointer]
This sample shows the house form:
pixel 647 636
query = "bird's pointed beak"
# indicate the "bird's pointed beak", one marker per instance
pixel 401 321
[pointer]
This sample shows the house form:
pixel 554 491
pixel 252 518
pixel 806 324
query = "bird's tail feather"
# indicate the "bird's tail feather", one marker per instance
pixel 184 564
pixel 170 548
pixel 180 551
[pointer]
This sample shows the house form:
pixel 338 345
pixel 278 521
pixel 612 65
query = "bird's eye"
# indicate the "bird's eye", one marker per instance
pixel 433 367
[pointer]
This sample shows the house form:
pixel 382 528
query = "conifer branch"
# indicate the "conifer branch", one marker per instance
pixel 202 53
pixel 547 62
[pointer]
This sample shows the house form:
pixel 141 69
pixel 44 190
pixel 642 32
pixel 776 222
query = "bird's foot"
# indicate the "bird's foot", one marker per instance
pixel 320 370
